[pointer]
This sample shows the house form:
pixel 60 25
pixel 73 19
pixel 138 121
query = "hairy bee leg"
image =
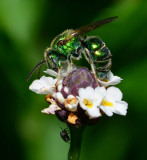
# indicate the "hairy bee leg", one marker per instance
pixel 94 72
pixel 45 56
pixel 74 62
pixel 92 66
pixel 59 75
pixel 89 59
pixel 68 71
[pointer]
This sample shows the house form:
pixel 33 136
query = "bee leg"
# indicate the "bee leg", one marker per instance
pixel 59 75
pixel 89 59
pixel 74 62
pixel 46 56
pixel 68 71
pixel 94 72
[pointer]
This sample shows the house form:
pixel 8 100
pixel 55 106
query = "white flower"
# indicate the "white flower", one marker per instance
pixel 90 99
pixel 59 86
pixel 71 103
pixel 60 97
pixel 112 103
pixel 44 85
pixel 110 80
pixel 63 71
pixel 66 90
pixel 51 109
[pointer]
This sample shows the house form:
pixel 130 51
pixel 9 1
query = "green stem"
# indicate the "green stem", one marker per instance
pixel 75 144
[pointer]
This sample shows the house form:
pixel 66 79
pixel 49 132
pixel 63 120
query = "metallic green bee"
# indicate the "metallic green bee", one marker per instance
pixel 71 44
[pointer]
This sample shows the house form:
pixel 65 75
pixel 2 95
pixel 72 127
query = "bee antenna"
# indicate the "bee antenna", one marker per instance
pixel 39 69
pixel 38 65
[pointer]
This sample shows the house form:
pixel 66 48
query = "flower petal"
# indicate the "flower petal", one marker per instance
pixel 121 108
pixel 82 92
pixel 55 74
pixel 71 103
pixel 115 93
pixel 110 80
pixel 63 71
pixel 89 92
pixel 60 97
pixel 107 110
pixel 100 92
pixel 51 109
pixel 82 105
pixel 45 85
pixel 51 72
pixel 93 112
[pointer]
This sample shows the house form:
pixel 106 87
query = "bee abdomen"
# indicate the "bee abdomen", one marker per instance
pixel 103 65
pixel 97 49
pixel 100 54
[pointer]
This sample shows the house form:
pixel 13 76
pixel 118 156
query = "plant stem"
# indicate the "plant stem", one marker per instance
pixel 75 144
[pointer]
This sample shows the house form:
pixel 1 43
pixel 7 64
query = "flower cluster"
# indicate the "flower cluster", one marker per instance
pixel 82 99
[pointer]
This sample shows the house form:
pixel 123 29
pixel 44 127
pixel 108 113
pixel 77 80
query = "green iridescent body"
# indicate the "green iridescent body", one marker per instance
pixel 69 48
pixel 71 44
pixel 93 48
pixel 100 55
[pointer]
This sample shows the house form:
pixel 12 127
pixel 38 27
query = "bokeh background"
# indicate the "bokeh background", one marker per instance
pixel 26 29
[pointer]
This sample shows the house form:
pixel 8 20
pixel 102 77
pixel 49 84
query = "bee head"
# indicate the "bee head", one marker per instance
pixel 61 39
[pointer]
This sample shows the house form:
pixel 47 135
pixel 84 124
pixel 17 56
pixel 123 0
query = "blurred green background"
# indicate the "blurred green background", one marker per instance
pixel 26 29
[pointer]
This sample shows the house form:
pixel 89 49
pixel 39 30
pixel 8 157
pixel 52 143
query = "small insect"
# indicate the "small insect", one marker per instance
pixel 71 44
pixel 64 135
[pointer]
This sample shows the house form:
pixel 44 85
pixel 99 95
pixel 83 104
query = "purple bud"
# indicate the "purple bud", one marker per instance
pixel 80 78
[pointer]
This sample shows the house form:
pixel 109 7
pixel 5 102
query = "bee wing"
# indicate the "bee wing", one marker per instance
pixel 90 27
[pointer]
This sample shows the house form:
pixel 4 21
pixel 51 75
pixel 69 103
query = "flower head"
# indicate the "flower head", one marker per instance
pixel 82 99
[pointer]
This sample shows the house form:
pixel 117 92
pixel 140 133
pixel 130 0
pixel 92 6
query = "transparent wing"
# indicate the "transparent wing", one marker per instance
pixel 90 27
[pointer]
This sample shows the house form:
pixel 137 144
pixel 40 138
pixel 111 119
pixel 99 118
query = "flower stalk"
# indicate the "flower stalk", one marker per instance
pixel 75 143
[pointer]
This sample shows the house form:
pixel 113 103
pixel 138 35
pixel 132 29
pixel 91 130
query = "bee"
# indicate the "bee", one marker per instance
pixel 71 44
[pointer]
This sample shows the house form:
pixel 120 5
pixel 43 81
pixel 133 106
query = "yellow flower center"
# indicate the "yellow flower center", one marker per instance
pixel 88 103
pixel 105 80
pixel 107 103
pixel 70 101
pixel 72 118
pixel 49 98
